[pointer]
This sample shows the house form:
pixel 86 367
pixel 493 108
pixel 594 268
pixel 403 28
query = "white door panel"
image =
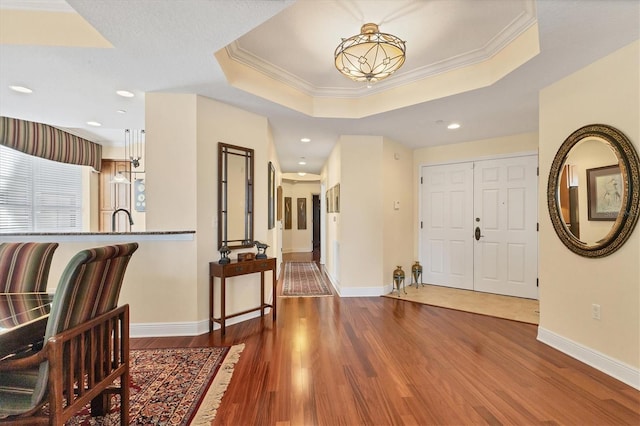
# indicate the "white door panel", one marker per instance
pixel 506 255
pixel 446 245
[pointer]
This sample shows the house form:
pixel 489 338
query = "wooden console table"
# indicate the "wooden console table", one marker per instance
pixel 235 269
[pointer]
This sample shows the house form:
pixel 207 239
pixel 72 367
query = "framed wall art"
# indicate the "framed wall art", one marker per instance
pixel 302 213
pixel 279 203
pixel 271 178
pixel 287 212
pixel 604 192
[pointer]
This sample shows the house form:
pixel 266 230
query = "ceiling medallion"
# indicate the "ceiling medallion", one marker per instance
pixel 370 56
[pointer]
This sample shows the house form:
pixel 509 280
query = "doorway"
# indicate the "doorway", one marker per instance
pixel 479 225
pixel 315 202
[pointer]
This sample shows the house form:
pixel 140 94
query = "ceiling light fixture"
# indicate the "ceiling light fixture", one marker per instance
pixel 125 93
pixel 301 173
pixel 21 89
pixel 305 140
pixel 453 126
pixel 370 56
pixel 134 146
pixel 133 149
pixel 94 123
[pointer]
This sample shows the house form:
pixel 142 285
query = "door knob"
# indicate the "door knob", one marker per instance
pixel 478 233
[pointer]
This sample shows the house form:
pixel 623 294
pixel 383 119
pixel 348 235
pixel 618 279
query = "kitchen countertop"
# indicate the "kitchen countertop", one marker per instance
pixel 98 236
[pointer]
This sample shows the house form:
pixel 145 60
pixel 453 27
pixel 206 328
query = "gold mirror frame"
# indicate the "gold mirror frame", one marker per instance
pixel 240 190
pixel 629 167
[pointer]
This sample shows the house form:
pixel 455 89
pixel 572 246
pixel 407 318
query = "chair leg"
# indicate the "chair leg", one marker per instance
pixel 124 397
pixel 100 405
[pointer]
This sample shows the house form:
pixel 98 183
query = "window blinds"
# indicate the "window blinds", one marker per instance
pixel 38 195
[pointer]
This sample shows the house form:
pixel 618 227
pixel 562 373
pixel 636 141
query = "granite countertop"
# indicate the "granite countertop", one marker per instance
pixel 45 234
pixel 188 235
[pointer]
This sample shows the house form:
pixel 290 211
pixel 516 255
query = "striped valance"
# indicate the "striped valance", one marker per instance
pixel 48 142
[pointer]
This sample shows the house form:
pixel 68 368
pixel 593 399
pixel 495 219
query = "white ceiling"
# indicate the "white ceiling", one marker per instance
pixel 162 46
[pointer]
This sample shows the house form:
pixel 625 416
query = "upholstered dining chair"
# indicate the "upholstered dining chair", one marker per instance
pixel 24 267
pixel 86 346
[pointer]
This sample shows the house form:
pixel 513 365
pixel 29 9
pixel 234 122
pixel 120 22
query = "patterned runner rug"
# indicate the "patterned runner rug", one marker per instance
pixel 177 386
pixel 303 279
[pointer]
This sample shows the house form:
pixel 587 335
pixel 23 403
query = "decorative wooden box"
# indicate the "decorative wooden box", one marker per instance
pixel 246 256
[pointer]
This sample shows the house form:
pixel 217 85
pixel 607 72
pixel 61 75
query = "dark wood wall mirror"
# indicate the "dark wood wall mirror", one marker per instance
pixel 235 196
pixel 593 191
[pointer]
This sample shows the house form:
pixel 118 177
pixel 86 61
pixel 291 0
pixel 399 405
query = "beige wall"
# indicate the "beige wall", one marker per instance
pixel 329 177
pixel 294 239
pixel 167 281
pixel 361 218
pixel 159 284
pixel 603 92
pixel 368 237
pixel 218 122
pixel 397 171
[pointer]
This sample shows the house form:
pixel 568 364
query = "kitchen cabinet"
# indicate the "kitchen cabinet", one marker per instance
pixel 114 196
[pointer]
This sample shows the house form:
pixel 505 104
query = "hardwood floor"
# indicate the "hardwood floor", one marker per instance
pixel 381 361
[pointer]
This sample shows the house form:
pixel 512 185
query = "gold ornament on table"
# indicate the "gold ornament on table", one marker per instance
pixel 398 280
pixel 416 274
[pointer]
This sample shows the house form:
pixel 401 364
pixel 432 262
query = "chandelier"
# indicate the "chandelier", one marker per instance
pixel 370 56
pixel 133 149
pixel 134 146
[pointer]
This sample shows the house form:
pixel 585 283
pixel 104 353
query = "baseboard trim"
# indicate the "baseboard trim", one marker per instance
pixel 354 291
pixel 194 328
pixel 614 368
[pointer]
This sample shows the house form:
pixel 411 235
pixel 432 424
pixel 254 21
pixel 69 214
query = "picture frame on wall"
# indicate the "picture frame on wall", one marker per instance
pixel 302 213
pixel 604 192
pixel 271 178
pixel 279 203
pixel 287 212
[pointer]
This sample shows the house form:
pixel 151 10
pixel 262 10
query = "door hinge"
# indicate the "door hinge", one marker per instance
pixel 538 227
pixel 537 282
pixel 537 171
pixel 421 182
pixel 420 224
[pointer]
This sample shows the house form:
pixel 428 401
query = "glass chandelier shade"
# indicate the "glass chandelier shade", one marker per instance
pixel 370 56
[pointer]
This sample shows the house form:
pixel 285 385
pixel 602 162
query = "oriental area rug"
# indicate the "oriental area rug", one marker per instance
pixel 494 305
pixel 177 386
pixel 303 279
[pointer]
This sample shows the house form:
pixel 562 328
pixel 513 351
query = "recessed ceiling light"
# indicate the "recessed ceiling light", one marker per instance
pixel 301 173
pixel 453 126
pixel 121 111
pixel 302 163
pixel 94 123
pixel 125 93
pixel 305 140
pixel 20 89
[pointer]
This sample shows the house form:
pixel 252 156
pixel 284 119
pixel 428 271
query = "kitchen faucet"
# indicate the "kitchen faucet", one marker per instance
pixel 113 218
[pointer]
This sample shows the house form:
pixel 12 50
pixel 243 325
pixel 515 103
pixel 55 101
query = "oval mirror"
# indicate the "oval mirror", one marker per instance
pixel 592 193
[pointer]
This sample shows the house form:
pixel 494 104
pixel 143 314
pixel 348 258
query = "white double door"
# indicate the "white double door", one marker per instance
pixel 479 225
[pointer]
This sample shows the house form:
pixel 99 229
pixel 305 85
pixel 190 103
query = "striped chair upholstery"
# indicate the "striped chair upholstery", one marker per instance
pixel 24 267
pixel 89 288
